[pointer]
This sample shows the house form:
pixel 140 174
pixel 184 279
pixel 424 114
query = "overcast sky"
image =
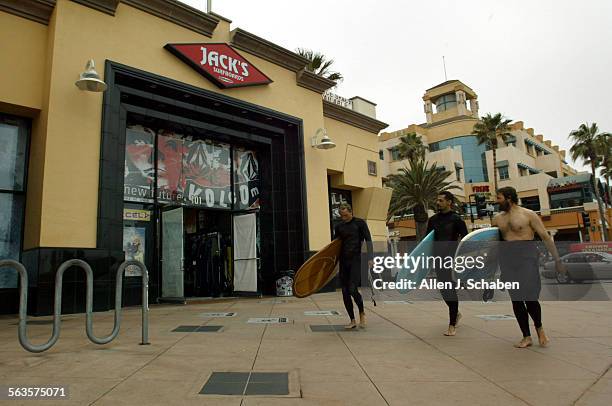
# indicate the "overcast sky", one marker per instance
pixel 546 63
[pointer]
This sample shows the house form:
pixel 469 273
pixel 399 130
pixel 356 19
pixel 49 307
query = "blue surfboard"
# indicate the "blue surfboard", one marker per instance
pixel 425 248
pixel 480 243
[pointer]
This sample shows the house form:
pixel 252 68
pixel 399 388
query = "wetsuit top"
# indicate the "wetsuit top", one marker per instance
pixel 352 234
pixel 447 226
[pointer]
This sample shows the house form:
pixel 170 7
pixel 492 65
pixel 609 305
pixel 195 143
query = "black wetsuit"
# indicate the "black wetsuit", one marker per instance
pixel 451 228
pixel 352 234
pixel 518 261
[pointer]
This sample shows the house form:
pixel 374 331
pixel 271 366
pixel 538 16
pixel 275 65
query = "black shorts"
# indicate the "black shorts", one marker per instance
pixel 518 261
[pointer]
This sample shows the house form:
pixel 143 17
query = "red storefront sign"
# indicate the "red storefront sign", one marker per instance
pixel 220 63
pixel 480 189
pixel 592 247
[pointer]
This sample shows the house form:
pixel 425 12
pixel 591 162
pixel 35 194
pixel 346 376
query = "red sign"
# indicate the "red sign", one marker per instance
pixel 592 247
pixel 480 189
pixel 220 63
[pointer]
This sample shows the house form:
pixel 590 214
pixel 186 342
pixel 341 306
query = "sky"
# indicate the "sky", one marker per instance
pixel 546 63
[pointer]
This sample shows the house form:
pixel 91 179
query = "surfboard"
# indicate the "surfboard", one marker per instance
pixel 425 248
pixel 318 270
pixel 479 243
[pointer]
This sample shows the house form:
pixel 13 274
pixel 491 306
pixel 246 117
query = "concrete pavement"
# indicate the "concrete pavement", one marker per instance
pixel 402 358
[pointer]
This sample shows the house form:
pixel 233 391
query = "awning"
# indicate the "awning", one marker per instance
pixel 529 168
pixel 501 164
pixel 536 145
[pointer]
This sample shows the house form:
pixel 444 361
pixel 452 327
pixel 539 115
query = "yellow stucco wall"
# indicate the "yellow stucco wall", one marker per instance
pixel 66 137
pixel 22 61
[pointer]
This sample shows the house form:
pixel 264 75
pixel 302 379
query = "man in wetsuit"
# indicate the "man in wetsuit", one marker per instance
pixel 448 228
pixel 352 231
pixel 518 261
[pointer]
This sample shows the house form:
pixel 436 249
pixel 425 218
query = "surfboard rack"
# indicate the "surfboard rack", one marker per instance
pixel 23 303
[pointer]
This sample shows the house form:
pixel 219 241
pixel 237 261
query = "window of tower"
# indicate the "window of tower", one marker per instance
pixel 445 102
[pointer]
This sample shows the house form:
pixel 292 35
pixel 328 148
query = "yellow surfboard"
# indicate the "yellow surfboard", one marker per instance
pixel 318 270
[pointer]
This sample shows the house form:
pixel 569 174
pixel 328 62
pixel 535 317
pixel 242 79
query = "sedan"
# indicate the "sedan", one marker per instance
pixel 581 266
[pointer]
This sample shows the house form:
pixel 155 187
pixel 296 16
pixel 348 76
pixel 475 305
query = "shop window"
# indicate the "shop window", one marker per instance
pixel 14 138
pixel 189 172
pixel 531 203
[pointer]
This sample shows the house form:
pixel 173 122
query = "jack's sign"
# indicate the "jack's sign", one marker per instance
pixel 220 63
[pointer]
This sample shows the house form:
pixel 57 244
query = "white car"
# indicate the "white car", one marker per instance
pixel 581 266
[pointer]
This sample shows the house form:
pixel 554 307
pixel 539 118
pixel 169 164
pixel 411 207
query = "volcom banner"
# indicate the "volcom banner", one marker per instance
pixel 189 172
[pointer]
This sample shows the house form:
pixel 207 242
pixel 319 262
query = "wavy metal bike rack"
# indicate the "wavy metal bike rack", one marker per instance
pixel 23 303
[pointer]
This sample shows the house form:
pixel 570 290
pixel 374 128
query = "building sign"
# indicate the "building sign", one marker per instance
pixel 480 189
pixel 195 173
pixel 565 186
pixel 189 172
pixel 592 247
pixel 136 215
pixel 139 176
pixel 336 99
pixel 246 179
pixel 220 63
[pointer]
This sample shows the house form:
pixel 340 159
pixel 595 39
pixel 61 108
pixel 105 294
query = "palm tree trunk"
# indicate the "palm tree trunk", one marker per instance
pixel 604 228
pixel 421 230
pixel 609 190
pixel 494 171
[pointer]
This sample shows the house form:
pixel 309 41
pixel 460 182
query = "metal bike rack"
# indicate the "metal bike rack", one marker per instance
pixel 23 303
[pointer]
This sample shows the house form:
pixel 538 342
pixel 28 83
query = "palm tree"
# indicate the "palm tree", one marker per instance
pixel 586 147
pixel 411 147
pixel 319 64
pixel 487 131
pixel 604 146
pixel 417 188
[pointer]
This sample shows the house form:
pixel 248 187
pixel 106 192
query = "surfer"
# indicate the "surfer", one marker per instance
pixel 352 231
pixel 518 261
pixel 447 226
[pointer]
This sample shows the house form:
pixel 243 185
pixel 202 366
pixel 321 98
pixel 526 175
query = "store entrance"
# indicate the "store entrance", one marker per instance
pixel 208 253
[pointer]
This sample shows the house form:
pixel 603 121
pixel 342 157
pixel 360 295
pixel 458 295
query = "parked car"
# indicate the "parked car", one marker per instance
pixel 581 266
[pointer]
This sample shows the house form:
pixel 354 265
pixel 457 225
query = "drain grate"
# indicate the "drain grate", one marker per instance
pixel 320 328
pixel 322 313
pixel 197 329
pixel 247 383
pixel 268 320
pixel 496 317
pixel 219 314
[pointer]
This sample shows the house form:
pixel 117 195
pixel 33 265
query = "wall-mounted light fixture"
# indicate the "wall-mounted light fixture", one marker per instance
pixel 90 80
pixel 325 143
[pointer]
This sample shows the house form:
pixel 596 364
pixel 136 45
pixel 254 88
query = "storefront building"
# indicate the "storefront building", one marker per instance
pixel 199 159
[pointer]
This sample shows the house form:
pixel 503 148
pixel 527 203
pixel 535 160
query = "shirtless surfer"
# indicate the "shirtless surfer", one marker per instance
pixel 519 261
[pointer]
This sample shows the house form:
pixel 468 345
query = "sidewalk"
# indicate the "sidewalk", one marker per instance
pixel 402 358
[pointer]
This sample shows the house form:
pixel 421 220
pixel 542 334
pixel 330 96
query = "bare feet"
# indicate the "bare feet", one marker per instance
pixel 451 331
pixel 350 326
pixel 459 316
pixel 362 320
pixel 524 343
pixel 542 338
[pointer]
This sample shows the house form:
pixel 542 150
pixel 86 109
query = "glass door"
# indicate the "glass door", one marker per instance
pixel 172 258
